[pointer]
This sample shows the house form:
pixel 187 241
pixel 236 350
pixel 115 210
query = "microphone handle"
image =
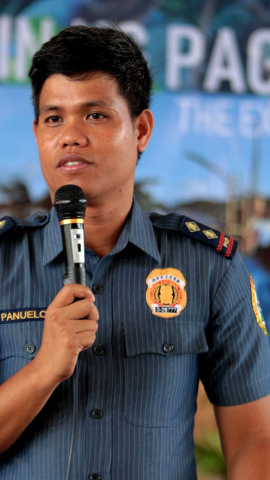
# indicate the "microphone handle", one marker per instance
pixel 73 242
pixel 75 274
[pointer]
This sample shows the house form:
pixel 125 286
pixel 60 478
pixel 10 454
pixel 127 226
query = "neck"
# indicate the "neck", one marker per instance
pixel 103 225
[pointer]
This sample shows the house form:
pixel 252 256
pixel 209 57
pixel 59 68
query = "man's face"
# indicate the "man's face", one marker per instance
pixel 85 136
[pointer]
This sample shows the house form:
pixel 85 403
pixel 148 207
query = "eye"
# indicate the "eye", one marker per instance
pixel 53 119
pixel 96 116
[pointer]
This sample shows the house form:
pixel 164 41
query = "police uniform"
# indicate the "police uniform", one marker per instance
pixel 176 305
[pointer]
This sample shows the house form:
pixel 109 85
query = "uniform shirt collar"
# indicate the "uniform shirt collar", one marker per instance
pixel 53 245
pixel 138 230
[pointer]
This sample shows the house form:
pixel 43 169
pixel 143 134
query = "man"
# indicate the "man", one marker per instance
pixel 172 309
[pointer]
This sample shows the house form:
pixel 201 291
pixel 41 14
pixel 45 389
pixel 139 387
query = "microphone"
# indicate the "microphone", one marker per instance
pixel 70 205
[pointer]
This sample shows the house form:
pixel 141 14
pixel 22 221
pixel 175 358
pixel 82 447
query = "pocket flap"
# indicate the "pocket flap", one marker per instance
pixel 168 337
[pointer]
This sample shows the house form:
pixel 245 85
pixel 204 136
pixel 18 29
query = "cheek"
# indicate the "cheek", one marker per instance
pixel 125 147
pixel 46 142
pixel 46 150
pixel 124 135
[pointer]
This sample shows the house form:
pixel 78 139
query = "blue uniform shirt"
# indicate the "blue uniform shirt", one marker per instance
pixel 172 310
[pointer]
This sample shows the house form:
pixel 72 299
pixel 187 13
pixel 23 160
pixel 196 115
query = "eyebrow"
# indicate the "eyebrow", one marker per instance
pixel 81 106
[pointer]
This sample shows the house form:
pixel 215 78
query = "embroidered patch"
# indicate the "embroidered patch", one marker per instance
pixel 2 223
pixel 22 315
pixel 166 295
pixel 256 307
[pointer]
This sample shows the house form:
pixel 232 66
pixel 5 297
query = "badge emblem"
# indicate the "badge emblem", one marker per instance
pixel 2 223
pixel 256 307
pixel 166 295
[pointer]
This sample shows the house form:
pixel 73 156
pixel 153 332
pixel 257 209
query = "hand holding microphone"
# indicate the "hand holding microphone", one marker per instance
pixel 71 319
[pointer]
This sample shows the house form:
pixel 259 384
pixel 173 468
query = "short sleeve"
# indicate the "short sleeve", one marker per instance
pixel 236 369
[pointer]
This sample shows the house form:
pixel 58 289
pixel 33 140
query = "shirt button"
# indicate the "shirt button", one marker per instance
pixel 96 414
pixel 94 476
pixel 98 350
pixel 97 288
pixel 167 348
pixel 41 217
pixel 29 348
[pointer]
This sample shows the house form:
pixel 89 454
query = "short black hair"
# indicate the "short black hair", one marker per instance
pixel 81 51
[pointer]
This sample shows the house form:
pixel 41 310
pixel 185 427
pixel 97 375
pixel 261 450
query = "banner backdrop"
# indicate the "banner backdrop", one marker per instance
pixel 208 156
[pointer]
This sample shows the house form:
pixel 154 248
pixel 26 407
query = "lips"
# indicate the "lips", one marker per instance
pixel 72 162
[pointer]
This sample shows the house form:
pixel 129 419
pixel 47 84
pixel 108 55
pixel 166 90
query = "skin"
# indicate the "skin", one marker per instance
pixel 245 438
pixel 85 136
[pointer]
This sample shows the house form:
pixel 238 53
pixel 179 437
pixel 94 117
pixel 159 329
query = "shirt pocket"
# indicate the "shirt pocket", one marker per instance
pixel 161 371
pixel 19 344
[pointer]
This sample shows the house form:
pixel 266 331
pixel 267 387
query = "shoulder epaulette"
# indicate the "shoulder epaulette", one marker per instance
pixel 222 243
pixel 8 224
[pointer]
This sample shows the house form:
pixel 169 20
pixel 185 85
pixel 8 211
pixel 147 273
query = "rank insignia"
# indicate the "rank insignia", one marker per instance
pixel 166 295
pixel 2 223
pixel 223 244
pixel 256 307
pixel 192 226
pixel 210 234
pixel 226 242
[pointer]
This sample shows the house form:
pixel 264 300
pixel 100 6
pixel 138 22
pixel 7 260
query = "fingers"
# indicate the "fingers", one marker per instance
pixel 86 333
pixel 70 327
pixel 83 313
pixel 81 309
pixel 74 302
pixel 71 292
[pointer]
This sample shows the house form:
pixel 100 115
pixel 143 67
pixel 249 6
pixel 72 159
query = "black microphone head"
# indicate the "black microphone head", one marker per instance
pixel 69 202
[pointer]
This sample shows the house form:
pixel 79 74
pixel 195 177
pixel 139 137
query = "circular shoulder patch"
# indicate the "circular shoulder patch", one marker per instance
pixel 256 307
pixel 166 295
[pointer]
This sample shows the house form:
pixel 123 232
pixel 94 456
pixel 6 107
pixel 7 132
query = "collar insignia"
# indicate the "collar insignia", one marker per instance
pixel 166 295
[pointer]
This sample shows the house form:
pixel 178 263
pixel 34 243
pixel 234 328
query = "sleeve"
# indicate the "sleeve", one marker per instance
pixel 236 369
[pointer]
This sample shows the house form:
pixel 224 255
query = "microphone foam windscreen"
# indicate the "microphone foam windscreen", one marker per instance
pixel 70 202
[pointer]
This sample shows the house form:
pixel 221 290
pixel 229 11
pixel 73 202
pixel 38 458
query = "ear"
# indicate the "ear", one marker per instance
pixel 144 125
pixel 35 126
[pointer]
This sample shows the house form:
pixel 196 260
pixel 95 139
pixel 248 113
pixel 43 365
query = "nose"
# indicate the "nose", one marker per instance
pixel 74 135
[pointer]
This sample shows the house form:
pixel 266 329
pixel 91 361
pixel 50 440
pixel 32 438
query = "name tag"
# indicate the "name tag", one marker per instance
pixel 22 315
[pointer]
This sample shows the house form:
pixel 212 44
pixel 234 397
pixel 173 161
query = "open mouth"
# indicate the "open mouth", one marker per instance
pixel 72 161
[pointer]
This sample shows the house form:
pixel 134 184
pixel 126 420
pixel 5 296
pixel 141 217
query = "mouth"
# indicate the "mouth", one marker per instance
pixel 72 162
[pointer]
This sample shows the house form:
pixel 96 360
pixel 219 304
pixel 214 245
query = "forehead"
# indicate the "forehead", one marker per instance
pixel 59 89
